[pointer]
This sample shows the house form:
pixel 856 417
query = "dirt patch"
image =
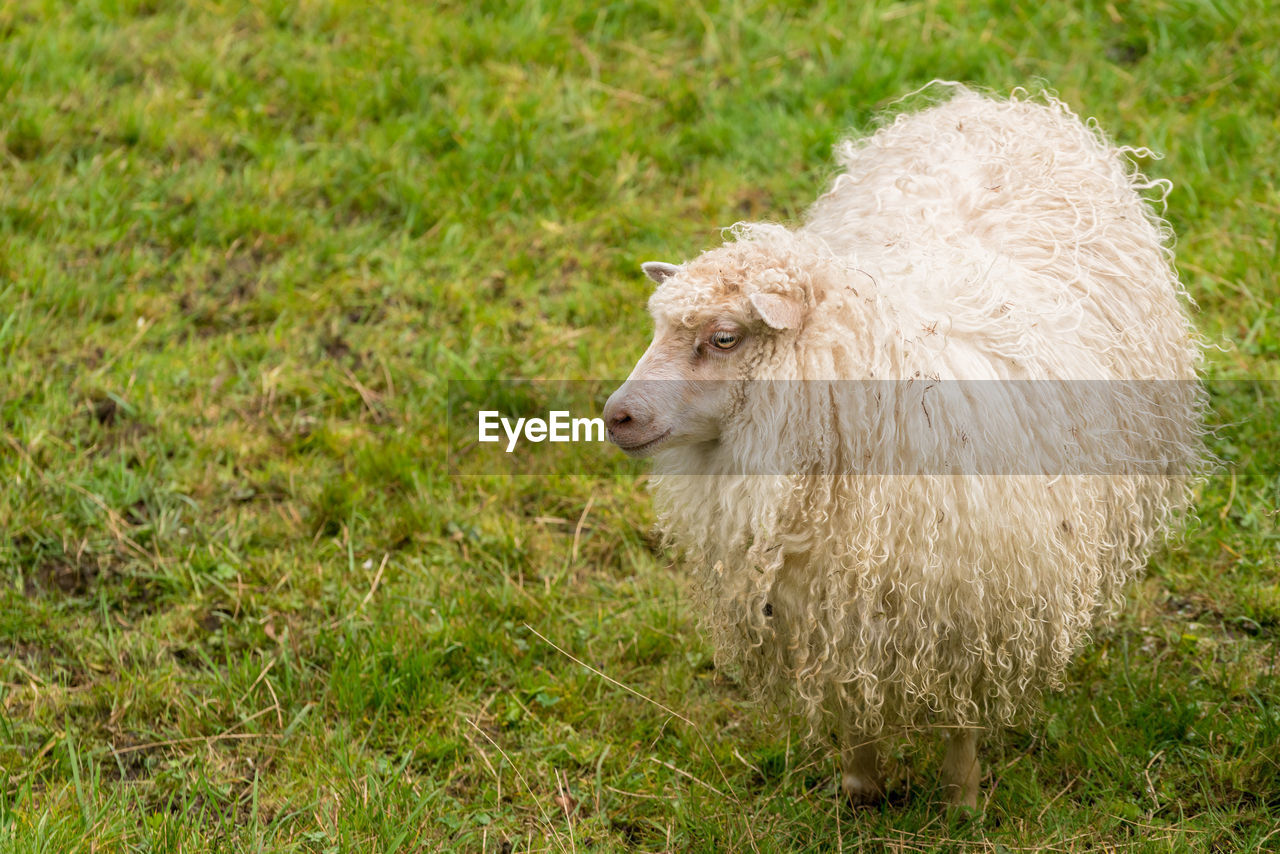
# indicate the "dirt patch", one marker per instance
pixel 335 346
pixel 1127 52
pixel 137 513
pixel 753 203
pixel 105 410
pixel 366 314
pixel 189 657
pixel 68 577
pixel 130 753
pixel 1204 611
pixel 212 621
pixel 84 575
pixel 112 425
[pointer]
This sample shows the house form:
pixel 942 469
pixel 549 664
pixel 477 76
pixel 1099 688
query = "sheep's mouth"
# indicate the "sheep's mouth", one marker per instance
pixel 643 448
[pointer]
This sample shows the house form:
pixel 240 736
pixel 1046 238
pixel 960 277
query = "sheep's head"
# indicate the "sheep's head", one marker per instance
pixel 718 322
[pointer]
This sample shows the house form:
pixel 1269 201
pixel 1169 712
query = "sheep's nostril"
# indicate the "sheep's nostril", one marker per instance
pixel 619 419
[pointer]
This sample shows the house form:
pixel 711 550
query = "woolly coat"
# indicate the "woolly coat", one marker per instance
pixel 908 561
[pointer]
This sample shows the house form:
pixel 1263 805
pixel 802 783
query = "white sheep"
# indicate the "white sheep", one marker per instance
pixel 811 483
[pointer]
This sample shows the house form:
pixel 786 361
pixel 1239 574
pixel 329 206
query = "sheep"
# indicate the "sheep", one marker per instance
pixel 884 561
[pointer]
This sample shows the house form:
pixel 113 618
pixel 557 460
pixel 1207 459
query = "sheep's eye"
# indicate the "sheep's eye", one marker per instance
pixel 723 339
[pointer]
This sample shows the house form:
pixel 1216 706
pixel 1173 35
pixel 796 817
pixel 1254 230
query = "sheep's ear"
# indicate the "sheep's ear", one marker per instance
pixel 777 311
pixel 659 271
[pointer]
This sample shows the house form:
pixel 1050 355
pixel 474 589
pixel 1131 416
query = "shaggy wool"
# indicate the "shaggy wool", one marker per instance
pixel 980 239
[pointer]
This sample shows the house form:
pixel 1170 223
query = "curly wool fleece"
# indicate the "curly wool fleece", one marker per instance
pixel 978 239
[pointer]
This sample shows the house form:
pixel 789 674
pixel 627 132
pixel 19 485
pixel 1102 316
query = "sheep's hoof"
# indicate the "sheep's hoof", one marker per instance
pixel 860 791
pixel 961 798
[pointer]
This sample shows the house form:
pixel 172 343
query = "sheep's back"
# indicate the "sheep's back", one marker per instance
pixel 1012 220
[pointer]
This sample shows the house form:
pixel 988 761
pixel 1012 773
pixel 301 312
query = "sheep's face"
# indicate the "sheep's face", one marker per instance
pixel 691 379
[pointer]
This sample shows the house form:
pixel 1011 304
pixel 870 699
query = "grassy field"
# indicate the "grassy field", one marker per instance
pixel 243 606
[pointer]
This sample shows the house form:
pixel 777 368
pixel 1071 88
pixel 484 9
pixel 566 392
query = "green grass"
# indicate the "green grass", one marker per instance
pixel 243 249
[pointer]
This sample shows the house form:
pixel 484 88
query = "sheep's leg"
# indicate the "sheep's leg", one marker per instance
pixel 960 770
pixel 861 777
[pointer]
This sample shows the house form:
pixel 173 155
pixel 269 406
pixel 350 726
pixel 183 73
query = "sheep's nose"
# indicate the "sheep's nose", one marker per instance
pixel 625 420
pixel 617 413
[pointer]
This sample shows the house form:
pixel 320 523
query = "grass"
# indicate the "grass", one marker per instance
pixel 244 248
